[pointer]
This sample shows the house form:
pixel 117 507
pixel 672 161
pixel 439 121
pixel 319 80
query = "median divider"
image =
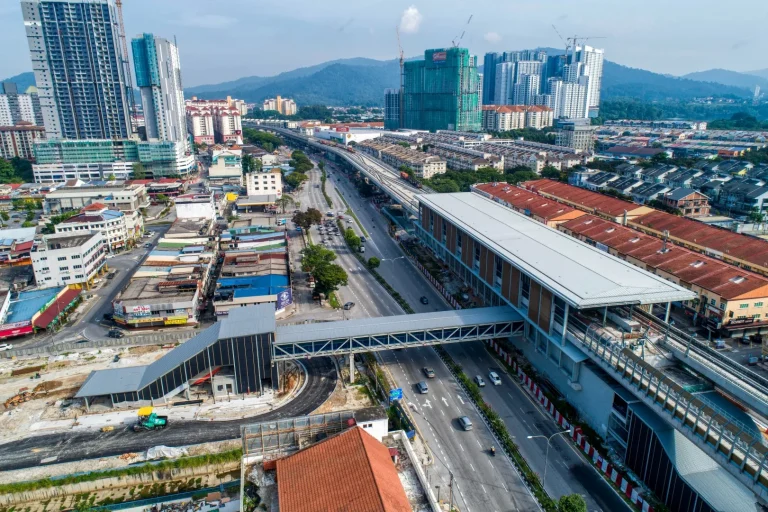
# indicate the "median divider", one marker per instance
pixel 499 429
pixel 620 481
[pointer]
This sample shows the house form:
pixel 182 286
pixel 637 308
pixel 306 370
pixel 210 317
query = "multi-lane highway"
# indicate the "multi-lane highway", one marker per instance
pixel 481 481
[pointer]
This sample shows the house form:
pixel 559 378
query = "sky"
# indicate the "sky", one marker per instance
pixel 239 38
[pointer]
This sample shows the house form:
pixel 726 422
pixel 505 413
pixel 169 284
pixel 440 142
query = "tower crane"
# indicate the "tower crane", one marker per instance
pixel 457 40
pixel 126 64
pixel 400 99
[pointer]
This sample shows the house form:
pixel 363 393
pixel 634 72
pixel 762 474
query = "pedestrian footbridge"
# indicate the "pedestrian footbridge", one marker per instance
pixel 393 332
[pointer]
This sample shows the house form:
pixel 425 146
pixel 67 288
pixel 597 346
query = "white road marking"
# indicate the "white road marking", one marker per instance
pixel 473 467
pixel 460 399
pixel 478 443
pixel 427 404
pixel 442 412
pixel 483 487
pixel 461 446
pixel 445 401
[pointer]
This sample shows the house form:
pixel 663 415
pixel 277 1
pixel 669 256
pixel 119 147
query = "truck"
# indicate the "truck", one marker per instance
pixel 150 420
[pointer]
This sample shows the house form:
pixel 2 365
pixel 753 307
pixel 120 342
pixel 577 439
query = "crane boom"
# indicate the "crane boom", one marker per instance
pixel 126 63
pixel 457 40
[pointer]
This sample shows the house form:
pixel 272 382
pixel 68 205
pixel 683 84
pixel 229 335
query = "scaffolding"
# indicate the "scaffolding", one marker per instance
pixel 442 91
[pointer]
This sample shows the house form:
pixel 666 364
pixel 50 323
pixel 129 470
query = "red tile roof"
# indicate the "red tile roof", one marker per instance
pixel 351 471
pixel 94 207
pixel 526 200
pixel 57 306
pixel 688 266
pixel 587 199
pixel 742 247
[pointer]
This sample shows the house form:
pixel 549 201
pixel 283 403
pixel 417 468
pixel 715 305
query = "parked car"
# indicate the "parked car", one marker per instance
pixel 479 381
pixel 362 238
pixel 494 378
pixel 109 316
pixel 112 274
pixel 5 346
pixel 429 372
pixel 115 333
pixel 349 305
pixel 148 246
pixel 424 300
pixel 116 358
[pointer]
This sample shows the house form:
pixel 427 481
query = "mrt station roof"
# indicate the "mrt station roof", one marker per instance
pixel 580 274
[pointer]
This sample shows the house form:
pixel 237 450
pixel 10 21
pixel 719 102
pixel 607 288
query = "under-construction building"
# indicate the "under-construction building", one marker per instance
pixel 442 92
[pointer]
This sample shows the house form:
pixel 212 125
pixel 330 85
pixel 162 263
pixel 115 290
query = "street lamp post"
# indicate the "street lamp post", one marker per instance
pixel 546 456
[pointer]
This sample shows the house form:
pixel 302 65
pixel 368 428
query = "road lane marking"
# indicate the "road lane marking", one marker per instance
pixel 461 446
pixel 445 401
pixel 460 399
pixel 483 487
pixel 473 467
pixel 427 404
pixel 442 412
pixel 478 443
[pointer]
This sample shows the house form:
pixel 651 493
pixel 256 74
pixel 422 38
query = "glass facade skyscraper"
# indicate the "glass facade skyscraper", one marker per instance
pixel 158 76
pixel 442 92
pixel 80 67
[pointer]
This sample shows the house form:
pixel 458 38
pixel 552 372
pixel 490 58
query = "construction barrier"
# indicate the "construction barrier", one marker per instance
pixel 599 461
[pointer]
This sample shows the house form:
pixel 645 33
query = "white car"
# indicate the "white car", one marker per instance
pixel 494 377
pixel 5 346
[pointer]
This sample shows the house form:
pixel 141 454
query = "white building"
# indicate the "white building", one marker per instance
pixel 158 77
pixel 68 259
pixel 260 183
pixel 16 108
pixel 500 118
pixel 505 79
pixel 212 121
pixel 591 60
pixel 226 165
pixel 196 206
pixel 76 194
pixel 117 228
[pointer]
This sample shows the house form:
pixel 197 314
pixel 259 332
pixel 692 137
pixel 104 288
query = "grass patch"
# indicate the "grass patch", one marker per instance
pixel 333 299
pixel 186 462
pixel 323 179
pixel 352 214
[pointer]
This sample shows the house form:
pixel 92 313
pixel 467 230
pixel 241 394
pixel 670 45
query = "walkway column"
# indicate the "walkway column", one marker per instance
pixel 351 367
pixel 565 324
pixel 605 315
pixel 666 316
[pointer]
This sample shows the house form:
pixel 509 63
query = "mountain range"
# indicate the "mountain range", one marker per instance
pixel 361 81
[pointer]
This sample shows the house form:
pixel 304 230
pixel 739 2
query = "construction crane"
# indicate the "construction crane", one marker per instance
pixel 457 40
pixel 400 99
pixel 566 43
pixel 582 39
pixel 125 63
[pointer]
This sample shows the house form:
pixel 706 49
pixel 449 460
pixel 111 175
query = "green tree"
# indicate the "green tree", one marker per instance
pixel 8 173
pixel 755 216
pixel 284 201
pixel 321 165
pixel 444 186
pixel 4 215
pixel 520 176
pixel 28 224
pixel 374 262
pixel 353 241
pixel 296 178
pixel 329 277
pixel 550 172
pixel 23 169
pixel 111 177
pixel 316 256
pixel 247 163
pixel 307 218
pixel 572 503
pixel 162 198
pixel 139 172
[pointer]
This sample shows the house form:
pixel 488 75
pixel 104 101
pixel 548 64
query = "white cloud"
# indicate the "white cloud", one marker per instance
pixel 207 21
pixel 411 20
pixel 492 37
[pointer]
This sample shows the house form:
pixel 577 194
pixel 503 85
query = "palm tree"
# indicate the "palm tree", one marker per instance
pixel 284 201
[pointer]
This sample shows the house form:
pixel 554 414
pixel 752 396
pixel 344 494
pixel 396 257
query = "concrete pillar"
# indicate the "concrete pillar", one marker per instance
pixel 669 308
pixel 605 315
pixel 565 324
pixel 351 367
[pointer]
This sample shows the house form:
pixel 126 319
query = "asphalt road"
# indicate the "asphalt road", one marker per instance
pixel 567 471
pixel 74 446
pixel 481 482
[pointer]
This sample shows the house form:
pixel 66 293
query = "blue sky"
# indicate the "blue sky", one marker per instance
pixel 223 40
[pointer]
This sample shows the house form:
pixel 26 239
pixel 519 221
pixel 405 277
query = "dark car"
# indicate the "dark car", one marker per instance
pixel 349 305
pixel 424 300
pixel 115 333
pixel 109 316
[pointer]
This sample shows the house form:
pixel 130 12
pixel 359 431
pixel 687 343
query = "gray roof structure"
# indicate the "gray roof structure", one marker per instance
pixel 580 274
pixel 679 193
pixel 393 325
pixel 702 473
pixel 240 322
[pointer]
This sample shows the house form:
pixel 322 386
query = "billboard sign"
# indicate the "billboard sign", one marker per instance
pixel 175 320
pixel 395 394
pixel 140 310
pixel 284 298
pixel 439 56
pixel 344 129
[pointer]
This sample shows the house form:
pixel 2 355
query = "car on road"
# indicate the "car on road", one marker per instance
pixel 465 423
pixel 494 378
pixel 5 346
pixel 362 238
pixel 147 246
pixel 112 274
pixel 424 300
pixel 349 221
pixel 429 372
pixel 109 316
pixel 479 381
pixel 422 387
pixel 115 333
pixel 349 305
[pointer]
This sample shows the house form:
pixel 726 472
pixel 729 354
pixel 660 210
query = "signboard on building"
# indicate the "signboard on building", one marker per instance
pixel 439 57
pixel 16 329
pixel 342 129
pixel 284 298
pixel 395 394
pixel 139 310
pixel 175 320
